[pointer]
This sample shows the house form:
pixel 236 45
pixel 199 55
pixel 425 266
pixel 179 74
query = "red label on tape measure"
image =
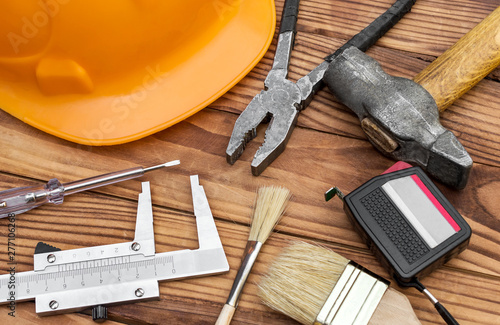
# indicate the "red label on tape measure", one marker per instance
pixel 436 203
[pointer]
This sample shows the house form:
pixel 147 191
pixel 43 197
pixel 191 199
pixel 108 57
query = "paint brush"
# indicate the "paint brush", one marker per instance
pixel 269 207
pixel 316 286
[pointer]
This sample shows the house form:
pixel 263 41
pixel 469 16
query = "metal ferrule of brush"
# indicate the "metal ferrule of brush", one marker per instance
pixel 354 298
pixel 251 251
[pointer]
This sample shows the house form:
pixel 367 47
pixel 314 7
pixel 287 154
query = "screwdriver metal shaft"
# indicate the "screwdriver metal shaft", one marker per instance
pixel 19 200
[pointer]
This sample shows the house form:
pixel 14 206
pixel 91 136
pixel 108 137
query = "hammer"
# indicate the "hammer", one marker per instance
pixel 401 117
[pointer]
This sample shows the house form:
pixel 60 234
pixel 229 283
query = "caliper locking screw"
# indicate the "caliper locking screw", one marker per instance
pixel 136 246
pixel 53 304
pixel 139 292
pixel 51 258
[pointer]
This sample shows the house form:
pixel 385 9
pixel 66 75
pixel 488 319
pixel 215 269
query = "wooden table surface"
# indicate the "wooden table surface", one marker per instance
pixel 327 148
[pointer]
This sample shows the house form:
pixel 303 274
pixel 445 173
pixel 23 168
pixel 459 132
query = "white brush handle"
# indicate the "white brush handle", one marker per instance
pixel 225 315
pixel 394 308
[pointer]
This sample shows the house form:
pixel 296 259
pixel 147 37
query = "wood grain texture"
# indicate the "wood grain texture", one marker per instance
pixel 326 148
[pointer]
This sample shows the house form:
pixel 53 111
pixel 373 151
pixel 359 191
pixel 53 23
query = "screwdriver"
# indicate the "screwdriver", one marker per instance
pixel 22 199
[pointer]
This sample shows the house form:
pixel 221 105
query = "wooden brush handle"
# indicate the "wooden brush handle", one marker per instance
pixel 225 315
pixel 464 64
pixel 394 308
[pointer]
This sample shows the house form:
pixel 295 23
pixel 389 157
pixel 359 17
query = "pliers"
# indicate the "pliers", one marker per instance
pixel 282 100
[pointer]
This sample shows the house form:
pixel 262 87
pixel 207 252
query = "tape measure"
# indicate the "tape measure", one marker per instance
pixel 407 222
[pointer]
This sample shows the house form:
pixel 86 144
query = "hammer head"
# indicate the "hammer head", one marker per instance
pixel 400 117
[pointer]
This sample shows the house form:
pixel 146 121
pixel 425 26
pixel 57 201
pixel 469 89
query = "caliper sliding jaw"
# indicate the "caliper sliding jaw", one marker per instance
pixel 72 280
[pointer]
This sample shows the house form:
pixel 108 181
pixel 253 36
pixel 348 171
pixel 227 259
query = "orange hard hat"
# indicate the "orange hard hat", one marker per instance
pixel 109 72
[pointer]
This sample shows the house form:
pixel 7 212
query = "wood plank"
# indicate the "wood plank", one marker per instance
pixel 25 314
pixel 230 190
pixel 327 148
pixel 199 143
pixel 468 296
pixel 430 28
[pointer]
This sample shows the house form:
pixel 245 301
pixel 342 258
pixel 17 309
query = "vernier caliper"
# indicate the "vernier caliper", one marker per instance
pixel 72 280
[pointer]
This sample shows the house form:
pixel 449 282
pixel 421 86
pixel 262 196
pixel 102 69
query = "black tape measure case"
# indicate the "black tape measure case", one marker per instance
pixel 407 222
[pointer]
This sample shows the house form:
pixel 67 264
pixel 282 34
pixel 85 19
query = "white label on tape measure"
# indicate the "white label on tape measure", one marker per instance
pixel 421 209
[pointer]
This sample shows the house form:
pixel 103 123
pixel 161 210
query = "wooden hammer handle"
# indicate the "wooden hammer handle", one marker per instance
pixel 464 64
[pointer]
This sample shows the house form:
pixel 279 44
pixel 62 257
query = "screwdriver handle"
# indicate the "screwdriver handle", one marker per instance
pixel 19 200
pixel 23 199
pixel 464 64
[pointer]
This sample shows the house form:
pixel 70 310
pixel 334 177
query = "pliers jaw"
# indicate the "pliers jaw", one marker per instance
pixel 278 105
pixel 277 135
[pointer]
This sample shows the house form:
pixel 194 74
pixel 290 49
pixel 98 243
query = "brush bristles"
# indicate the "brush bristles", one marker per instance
pixel 270 206
pixel 300 280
